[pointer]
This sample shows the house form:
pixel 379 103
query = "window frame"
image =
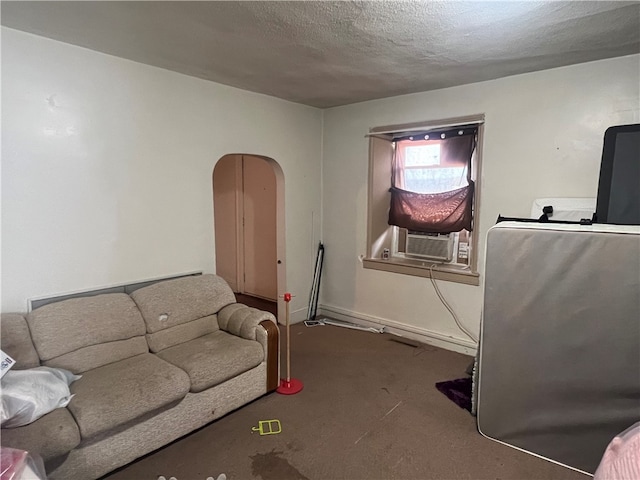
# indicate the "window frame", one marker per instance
pixel 380 235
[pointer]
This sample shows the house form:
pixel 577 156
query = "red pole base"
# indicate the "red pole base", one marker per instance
pixel 289 388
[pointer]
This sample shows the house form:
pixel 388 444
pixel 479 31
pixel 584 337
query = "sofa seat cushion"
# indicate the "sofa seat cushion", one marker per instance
pixel 214 358
pixel 50 436
pixel 118 393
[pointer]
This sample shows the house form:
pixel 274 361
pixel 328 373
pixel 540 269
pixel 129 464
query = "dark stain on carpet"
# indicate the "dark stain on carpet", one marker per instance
pixel 270 466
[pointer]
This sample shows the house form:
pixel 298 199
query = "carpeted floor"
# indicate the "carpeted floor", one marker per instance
pixel 369 410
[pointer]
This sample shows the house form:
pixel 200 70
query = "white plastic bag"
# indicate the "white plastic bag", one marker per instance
pixel 29 394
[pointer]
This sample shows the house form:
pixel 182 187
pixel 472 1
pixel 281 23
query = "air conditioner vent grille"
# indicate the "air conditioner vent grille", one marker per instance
pixel 434 247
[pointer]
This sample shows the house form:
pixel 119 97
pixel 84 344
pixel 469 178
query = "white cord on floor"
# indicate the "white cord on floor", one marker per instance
pixel 446 304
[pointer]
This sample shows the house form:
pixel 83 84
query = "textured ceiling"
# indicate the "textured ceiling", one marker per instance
pixel 325 53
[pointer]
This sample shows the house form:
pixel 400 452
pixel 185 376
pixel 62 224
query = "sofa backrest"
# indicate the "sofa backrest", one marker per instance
pixel 80 334
pixel 176 311
pixel 15 341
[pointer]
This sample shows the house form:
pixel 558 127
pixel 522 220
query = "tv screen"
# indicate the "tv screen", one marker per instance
pixel 618 200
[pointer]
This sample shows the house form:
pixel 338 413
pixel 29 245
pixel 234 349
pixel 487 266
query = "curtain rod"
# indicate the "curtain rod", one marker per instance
pixel 424 129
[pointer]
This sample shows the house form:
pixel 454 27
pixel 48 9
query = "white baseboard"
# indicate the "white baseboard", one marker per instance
pixel 298 315
pixel 423 335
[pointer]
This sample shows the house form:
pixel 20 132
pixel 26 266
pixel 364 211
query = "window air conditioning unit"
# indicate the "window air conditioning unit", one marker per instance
pixel 434 246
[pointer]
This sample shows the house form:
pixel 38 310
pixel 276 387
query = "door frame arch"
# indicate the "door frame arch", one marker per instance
pixel 281 269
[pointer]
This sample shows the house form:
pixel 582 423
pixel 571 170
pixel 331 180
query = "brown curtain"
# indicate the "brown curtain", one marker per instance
pixel 432 212
pixel 444 212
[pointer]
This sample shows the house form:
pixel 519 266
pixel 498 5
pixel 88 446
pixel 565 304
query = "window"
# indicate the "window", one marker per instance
pixel 424 171
pixel 423 198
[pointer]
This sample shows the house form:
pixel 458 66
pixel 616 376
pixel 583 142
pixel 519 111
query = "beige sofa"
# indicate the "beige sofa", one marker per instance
pixel 155 365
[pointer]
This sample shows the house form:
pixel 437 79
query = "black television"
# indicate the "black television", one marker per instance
pixel 618 200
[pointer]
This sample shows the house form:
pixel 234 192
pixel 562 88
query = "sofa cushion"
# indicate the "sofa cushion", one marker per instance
pixel 175 302
pixel 50 436
pixel 182 333
pixel 214 358
pixel 15 340
pixel 117 393
pixel 95 356
pixel 87 323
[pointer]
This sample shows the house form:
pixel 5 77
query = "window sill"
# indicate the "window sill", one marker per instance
pixel 421 268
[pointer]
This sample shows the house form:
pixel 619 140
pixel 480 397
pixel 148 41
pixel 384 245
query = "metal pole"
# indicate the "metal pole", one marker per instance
pixel 288 344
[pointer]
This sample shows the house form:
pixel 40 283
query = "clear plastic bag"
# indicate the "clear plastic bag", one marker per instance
pixel 20 465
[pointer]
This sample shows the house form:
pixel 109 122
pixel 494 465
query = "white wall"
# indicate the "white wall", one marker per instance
pixel 109 181
pixel 107 165
pixel 543 138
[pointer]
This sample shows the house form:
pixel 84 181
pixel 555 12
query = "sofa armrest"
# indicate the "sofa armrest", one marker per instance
pixel 253 324
pixel 241 320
